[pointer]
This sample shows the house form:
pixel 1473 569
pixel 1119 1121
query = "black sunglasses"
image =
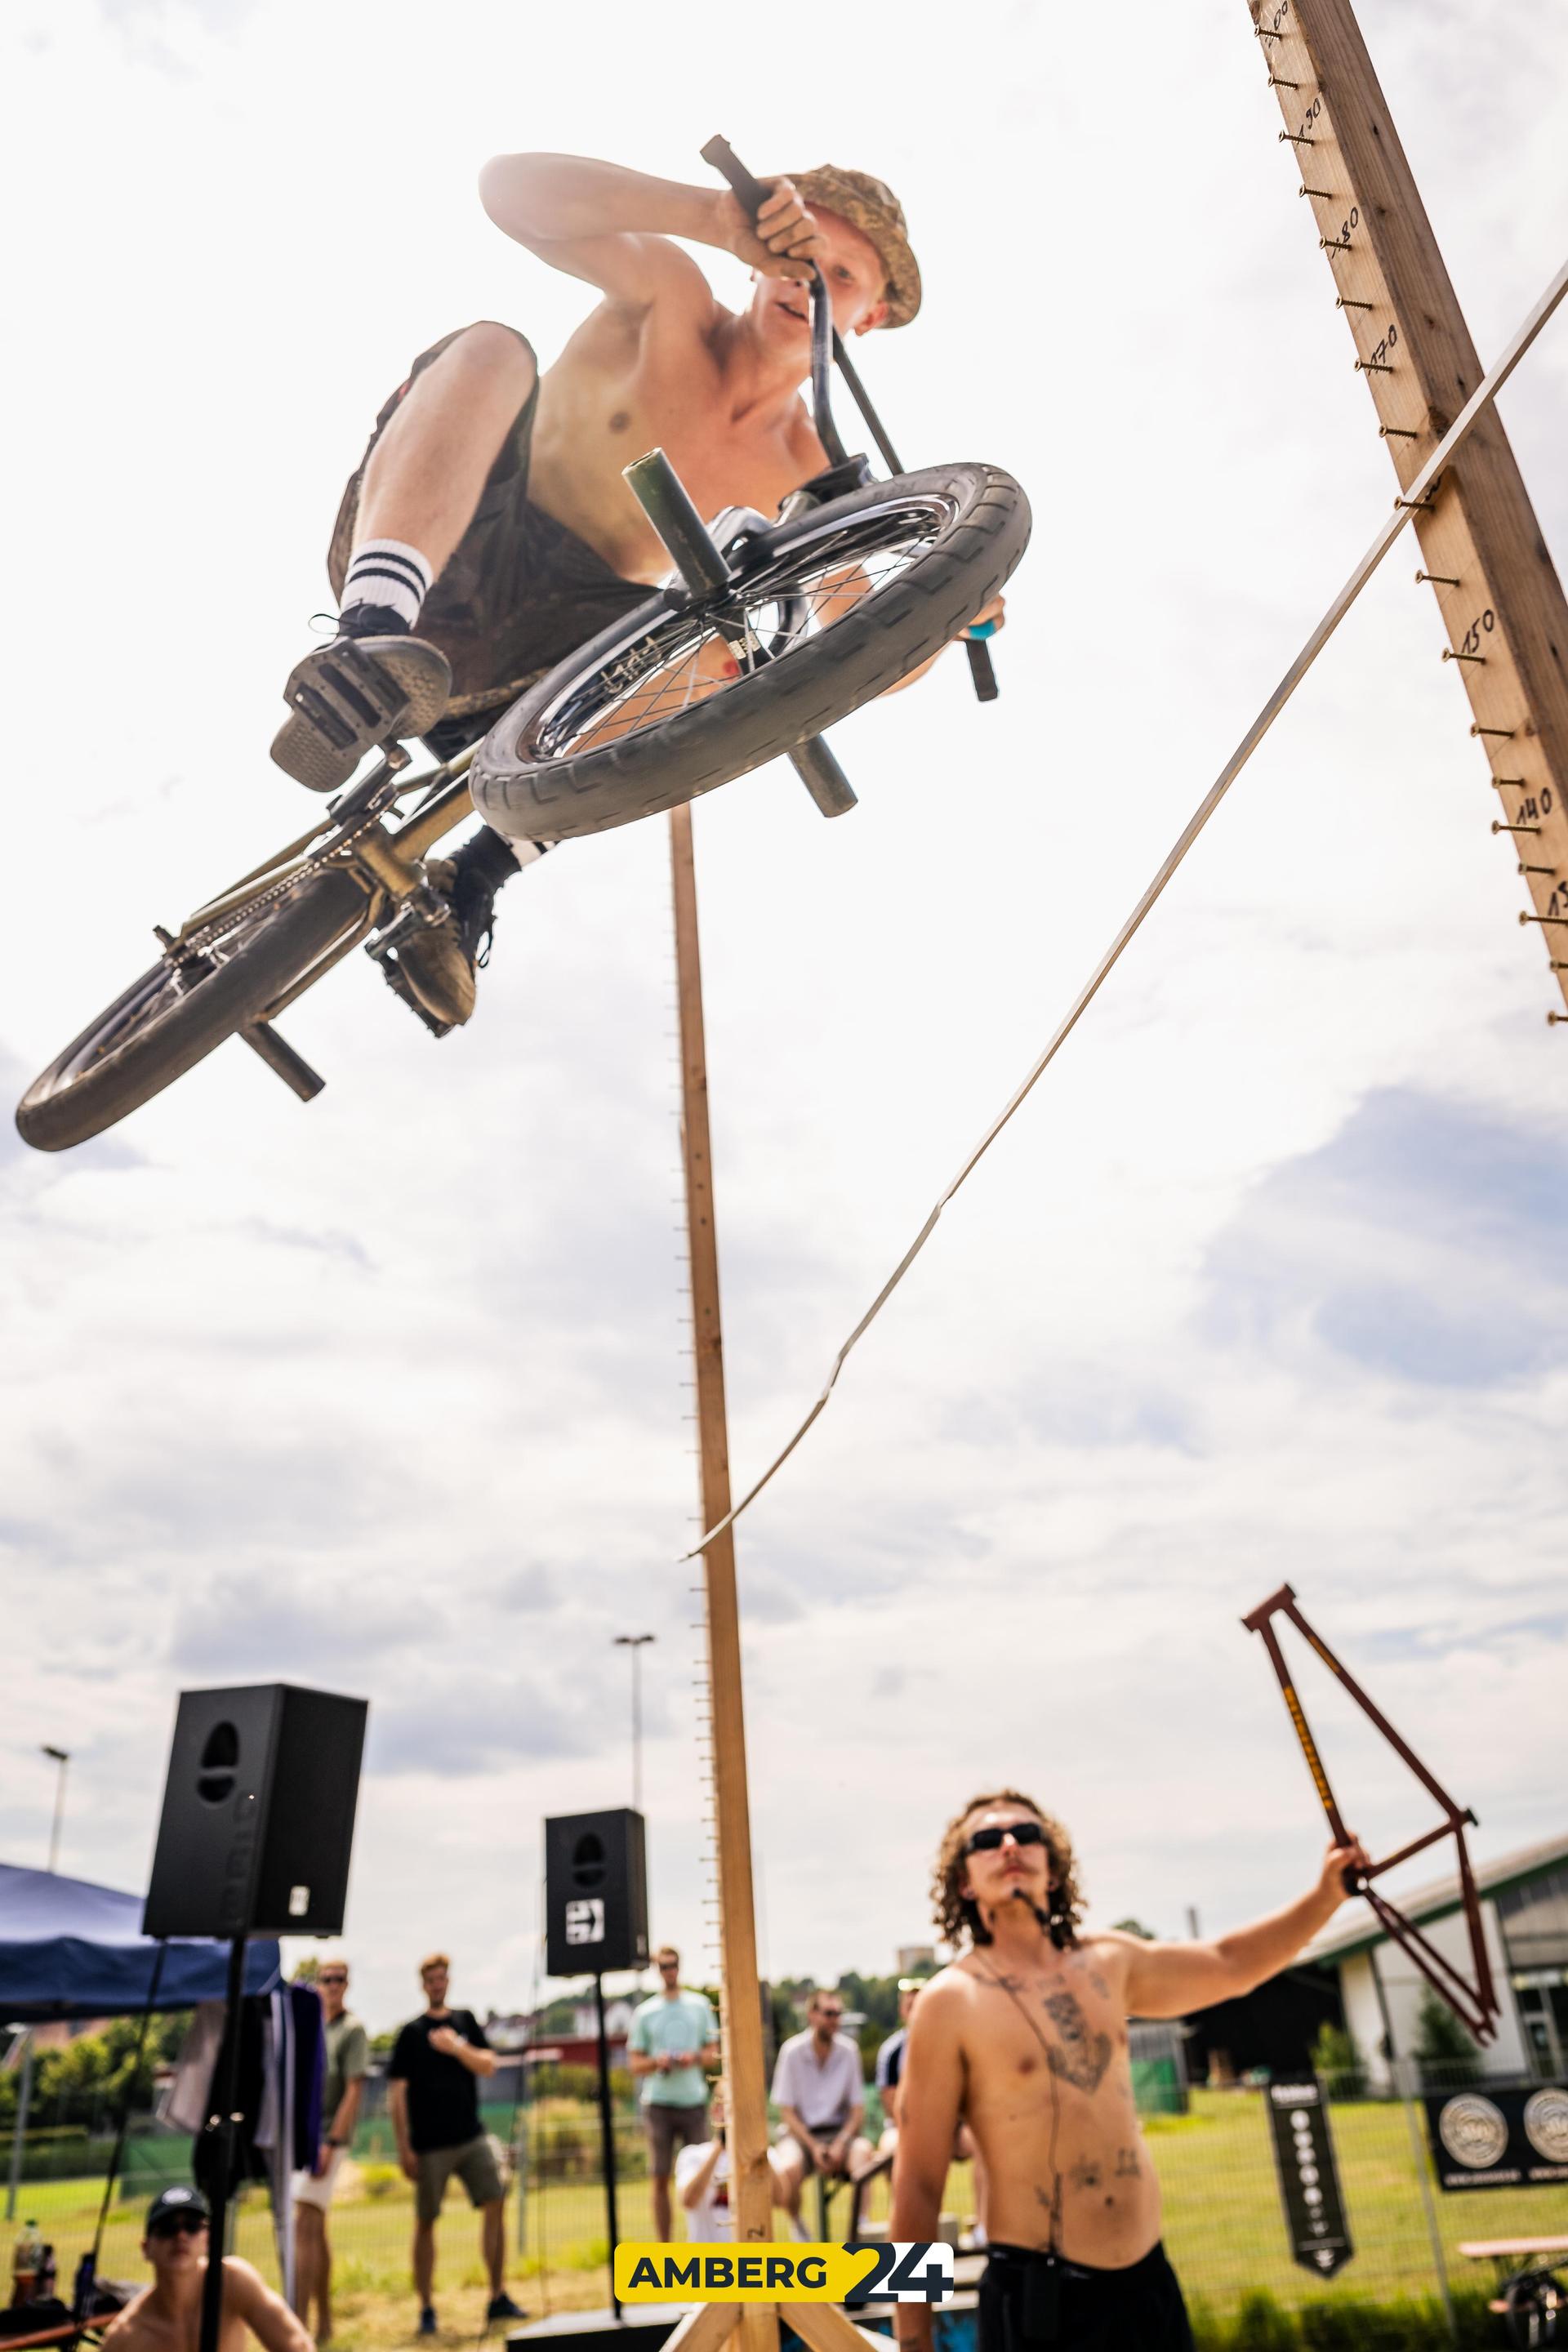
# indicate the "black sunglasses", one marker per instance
pixel 986 1841
pixel 178 2225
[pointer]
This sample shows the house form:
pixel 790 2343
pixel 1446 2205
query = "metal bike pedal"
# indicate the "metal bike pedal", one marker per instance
pixel 417 912
pixel 397 980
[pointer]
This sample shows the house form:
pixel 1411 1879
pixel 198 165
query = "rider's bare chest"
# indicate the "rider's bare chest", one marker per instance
pixel 592 423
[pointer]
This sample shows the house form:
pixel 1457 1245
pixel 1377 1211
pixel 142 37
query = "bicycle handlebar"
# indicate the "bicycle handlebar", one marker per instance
pixel 754 195
pixel 827 346
pixel 753 192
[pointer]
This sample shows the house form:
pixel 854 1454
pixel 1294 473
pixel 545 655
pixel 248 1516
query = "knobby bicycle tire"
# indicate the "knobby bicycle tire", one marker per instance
pixel 102 1075
pixel 528 788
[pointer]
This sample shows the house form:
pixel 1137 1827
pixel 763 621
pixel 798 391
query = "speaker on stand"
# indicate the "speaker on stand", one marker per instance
pixel 596 1919
pixel 254 1840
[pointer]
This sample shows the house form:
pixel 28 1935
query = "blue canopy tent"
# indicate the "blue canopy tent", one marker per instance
pixel 69 1949
pixel 72 1949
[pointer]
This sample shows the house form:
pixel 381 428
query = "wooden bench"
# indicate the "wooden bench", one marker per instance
pixel 1508 2253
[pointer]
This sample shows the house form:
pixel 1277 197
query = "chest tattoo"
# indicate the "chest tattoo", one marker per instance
pixel 1127 2165
pixel 1081 2057
pixel 1085 2173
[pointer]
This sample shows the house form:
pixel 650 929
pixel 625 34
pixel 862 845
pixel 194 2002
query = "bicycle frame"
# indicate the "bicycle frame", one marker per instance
pixel 386 864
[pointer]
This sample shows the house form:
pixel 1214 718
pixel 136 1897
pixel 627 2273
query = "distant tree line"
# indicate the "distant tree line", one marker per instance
pixel 85 2081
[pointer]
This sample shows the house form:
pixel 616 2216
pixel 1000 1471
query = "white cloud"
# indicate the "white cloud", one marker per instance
pixel 389 1387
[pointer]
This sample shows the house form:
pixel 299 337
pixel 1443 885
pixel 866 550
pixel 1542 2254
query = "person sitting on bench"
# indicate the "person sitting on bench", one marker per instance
pixel 818 2085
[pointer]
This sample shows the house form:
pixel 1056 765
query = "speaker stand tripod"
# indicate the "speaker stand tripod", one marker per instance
pixel 606 2141
pixel 217 2136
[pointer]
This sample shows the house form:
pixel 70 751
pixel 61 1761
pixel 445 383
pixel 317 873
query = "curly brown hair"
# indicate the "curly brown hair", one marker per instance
pixel 955 1914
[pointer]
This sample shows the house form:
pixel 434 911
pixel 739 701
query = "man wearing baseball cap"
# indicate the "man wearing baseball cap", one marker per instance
pixel 488 532
pixel 166 2315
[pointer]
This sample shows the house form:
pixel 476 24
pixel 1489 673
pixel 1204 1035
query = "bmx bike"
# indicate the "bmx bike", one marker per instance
pixel 769 631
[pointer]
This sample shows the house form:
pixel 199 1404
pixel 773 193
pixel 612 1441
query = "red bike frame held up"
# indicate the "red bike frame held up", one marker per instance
pixel 1476 2004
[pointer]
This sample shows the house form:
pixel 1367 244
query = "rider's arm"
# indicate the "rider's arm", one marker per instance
pixel 613 227
pixel 1169 1979
pixel 931 2103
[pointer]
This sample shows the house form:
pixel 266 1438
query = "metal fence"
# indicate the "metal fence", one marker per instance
pixel 1224 2225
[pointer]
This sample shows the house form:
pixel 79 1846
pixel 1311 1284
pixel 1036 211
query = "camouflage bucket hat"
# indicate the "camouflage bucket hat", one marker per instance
pixel 871 206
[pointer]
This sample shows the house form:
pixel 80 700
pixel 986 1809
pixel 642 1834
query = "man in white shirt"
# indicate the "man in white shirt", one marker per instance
pixel 820 2090
pixel 702 2182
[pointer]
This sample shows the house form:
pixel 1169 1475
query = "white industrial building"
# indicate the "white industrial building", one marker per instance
pixel 1524 1914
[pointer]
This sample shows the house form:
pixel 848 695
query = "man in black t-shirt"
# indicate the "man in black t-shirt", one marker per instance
pixel 437 2063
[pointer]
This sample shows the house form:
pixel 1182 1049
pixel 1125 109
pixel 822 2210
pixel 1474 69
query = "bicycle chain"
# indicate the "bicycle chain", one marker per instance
pixel 196 944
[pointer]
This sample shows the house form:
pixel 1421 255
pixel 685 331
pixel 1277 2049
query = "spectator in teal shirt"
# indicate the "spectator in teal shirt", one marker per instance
pixel 673 2038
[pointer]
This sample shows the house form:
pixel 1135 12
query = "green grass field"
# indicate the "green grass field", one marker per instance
pixel 1223 2226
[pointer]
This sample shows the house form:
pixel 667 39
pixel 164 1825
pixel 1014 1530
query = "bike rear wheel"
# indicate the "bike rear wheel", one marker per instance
pixel 836 605
pixel 180 1009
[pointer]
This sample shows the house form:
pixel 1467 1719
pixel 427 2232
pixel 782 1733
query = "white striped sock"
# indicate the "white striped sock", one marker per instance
pixel 386 572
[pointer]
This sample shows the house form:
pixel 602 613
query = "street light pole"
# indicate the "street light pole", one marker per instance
pixel 636 1643
pixel 62 1758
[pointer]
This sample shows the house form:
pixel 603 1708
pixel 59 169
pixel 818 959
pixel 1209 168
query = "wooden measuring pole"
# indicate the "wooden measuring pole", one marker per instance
pixel 1481 546
pixel 821 2326
pixel 749 2185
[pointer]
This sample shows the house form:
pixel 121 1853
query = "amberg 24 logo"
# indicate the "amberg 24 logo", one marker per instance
pixel 865 2270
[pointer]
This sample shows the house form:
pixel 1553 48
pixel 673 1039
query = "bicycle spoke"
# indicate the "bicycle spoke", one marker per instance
pixel 685 654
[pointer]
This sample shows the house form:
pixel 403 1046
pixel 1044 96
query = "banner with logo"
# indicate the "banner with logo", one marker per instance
pixel 1499 2137
pixel 1308 2177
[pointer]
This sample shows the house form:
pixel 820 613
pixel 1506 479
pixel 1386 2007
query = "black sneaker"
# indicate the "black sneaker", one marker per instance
pixel 428 2320
pixel 501 2307
pixel 441 961
pixel 373 681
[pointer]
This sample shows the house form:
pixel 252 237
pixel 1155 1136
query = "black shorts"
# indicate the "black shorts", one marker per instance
pixel 1031 2302
pixel 520 591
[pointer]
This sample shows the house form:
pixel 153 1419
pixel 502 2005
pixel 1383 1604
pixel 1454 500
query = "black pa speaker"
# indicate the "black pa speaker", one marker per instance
pixel 595 1893
pixel 258 1813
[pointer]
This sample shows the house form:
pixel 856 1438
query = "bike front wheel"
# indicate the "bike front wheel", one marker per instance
pixel 171 1017
pixel 825 611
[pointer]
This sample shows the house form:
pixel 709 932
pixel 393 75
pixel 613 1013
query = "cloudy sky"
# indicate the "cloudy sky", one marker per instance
pixel 385 1394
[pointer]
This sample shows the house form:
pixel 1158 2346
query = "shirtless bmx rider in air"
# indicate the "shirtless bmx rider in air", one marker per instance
pixel 488 532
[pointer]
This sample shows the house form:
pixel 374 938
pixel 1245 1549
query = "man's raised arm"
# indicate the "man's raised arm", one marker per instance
pixel 613 227
pixel 931 2099
pixel 1169 1979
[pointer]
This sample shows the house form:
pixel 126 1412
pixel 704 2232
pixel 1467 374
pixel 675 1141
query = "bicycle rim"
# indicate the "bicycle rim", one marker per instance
pixel 686 654
pixel 165 989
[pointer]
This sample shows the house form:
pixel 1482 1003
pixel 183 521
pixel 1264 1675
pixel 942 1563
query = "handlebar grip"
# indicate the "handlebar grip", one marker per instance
pixel 753 192
pixel 980 670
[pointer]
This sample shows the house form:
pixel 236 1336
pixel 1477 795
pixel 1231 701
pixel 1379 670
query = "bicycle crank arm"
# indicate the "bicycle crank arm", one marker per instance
pixel 280 1056
pixel 823 777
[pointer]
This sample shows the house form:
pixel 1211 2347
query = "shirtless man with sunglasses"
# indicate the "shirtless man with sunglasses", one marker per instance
pixel 1024 2039
pixel 167 2315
